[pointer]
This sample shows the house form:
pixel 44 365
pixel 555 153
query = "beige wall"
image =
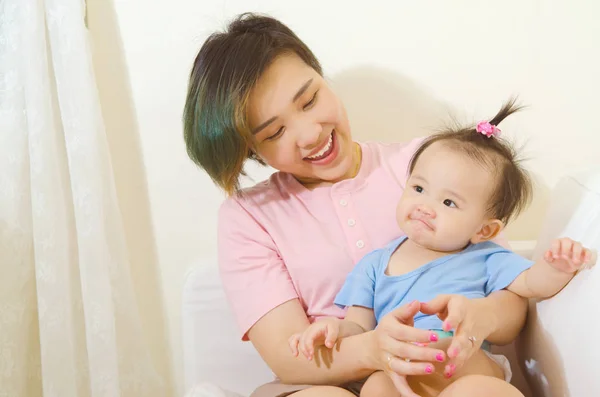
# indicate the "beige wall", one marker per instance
pixel 399 66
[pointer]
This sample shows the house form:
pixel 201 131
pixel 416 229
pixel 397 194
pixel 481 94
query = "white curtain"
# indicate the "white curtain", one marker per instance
pixel 69 324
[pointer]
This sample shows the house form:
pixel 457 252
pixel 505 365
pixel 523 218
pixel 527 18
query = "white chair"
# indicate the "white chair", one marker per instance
pixel 212 349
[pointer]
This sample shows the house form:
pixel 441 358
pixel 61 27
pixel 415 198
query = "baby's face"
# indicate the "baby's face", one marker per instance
pixel 445 201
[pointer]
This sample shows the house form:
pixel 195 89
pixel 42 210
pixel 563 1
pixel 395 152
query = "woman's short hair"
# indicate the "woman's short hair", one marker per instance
pixel 227 67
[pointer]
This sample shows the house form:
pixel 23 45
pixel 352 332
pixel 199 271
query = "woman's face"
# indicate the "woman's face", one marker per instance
pixel 299 124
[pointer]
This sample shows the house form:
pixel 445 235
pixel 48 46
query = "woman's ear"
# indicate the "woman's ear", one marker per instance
pixel 488 231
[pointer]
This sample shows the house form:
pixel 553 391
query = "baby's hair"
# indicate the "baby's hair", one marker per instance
pixel 513 189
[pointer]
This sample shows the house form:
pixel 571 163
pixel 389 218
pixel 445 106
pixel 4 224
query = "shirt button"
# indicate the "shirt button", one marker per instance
pixel 360 243
pixel 343 202
pixel 351 222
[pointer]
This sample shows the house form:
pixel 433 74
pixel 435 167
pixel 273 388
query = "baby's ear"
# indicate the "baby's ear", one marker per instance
pixel 488 231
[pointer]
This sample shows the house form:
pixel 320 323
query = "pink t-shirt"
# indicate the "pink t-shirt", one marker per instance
pixel 280 241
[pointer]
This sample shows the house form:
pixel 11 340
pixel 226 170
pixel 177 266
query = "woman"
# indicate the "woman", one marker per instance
pixel 286 245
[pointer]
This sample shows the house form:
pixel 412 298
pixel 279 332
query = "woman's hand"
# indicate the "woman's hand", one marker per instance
pixel 400 349
pixel 472 320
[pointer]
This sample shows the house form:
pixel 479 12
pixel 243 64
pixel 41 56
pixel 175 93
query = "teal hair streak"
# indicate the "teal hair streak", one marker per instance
pixel 211 135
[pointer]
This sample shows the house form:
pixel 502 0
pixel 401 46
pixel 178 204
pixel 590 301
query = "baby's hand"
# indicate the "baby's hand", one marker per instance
pixel 568 256
pixel 322 332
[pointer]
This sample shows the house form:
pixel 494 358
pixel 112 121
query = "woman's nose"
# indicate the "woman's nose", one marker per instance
pixel 309 135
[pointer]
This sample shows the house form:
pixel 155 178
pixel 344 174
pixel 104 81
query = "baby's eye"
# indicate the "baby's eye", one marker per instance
pixel 449 203
pixel 418 189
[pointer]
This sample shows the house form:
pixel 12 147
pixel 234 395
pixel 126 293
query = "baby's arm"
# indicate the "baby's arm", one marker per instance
pixel 362 318
pixel 547 276
pixel 327 331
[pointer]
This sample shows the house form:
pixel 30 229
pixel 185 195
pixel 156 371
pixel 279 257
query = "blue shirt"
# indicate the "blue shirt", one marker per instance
pixel 475 272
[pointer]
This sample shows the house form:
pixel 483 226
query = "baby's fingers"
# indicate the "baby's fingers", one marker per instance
pixel 304 346
pixel 555 249
pixel 589 259
pixel 293 342
pixel 578 255
pixel 311 338
pixel 331 335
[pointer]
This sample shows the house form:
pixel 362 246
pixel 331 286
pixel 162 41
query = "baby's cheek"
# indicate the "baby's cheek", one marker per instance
pixel 452 241
pixel 400 213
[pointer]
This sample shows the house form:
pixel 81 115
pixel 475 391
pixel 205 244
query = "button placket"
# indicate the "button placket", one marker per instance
pixel 355 234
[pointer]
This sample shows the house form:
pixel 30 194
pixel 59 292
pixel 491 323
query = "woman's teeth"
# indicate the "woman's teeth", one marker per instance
pixel 322 151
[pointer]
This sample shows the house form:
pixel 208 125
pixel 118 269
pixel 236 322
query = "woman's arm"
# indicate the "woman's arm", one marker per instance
pixel 350 360
pixel 256 281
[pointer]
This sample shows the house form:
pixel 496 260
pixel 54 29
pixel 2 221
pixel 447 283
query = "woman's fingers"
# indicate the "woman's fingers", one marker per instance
pixel 439 306
pixel 412 352
pixel 460 350
pixel 401 332
pixel 406 313
pixel 403 367
pixel 436 305
pixel 457 310
pixel 458 316
pixel 399 325
pixel 451 309
pixel 465 343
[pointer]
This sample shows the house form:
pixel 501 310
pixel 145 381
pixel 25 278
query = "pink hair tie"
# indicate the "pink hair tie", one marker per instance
pixel 487 129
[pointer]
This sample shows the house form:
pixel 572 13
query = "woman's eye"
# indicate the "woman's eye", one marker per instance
pixel 449 203
pixel 310 103
pixel 418 189
pixel 275 135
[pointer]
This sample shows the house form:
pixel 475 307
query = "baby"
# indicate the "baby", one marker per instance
pixel 464 186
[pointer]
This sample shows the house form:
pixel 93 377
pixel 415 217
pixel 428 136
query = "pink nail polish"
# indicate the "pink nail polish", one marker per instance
pixel 429 369
pixel 439 357
pixel 433 337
